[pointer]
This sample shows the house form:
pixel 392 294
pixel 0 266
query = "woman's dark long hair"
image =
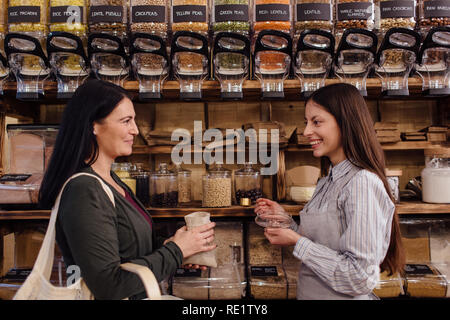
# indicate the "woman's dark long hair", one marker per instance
pixel 361 146
pixel 76 146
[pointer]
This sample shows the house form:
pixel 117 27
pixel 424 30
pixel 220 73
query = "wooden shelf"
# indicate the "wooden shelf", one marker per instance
pixel 404 208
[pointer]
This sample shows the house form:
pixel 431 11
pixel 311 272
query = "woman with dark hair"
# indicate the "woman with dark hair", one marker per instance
pixel 93 233
pixel 349 230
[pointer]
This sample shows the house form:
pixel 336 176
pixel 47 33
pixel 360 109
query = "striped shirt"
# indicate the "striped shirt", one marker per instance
pixel 365 214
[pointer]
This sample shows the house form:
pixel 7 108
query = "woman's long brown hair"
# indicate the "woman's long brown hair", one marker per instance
pixel 361 146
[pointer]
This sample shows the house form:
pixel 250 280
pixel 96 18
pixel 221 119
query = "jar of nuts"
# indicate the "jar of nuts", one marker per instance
pixel 394 14
pixel 184 184
pixel 217 187
pixel 247 182
pixel 190 15
pixel 149 16
pixel 28 16
pixel 163 187
pixel 433 13
pixel 313 14
pixel 108 16
pixel 353 14
pixel 69 16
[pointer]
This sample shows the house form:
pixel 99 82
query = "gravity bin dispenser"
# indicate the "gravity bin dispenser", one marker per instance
pixel 150 64
pixel 190 63
pixel 354 57
pixel 4 71
pixel 108 58
pixel 434 62
pixel 313 59
pixel 272 54
pixel 231 63
pixel 68 61
pixel 395 59
pixel 29 64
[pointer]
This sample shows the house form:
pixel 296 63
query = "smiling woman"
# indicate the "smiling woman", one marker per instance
pixel 94 233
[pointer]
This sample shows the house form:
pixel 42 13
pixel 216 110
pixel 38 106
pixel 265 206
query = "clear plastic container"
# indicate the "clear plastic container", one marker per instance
pixel 190 15
pixel 248 183
pixel 394 14
pixel 425 281
pixel 228 236
pixel 150 16
pixel 393 178
pixel 433 13
pixel 108 16
pixel 260 250
pixel 353 14
pixel 436 176
pixel 123 170
pixel 69 16
pixel 389 286
pixel 273 15
pixel 184 184
pixel 313 14
pixel 28 17
pixel 217 187
pixel 163 188
pixel 231 16
pixel 267 282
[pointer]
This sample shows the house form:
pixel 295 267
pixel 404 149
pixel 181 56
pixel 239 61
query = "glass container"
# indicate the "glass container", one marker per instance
pixel 273 50
pixel 272 15
pixel 142 178
pixel 313 59
pixel 69 16
pixel 150 17
pixel 433 13
pixel 353 14
pixel 217 187
pixel 108 16
pixel 395 59
pixel 28 17
pixel 433 64
pixel 123 170
pixel 248 183
pixel 190 15
pixel 231 63
pixel 394 14
pixel 163 188
pixel 354 57
pixel 313 14
pixel 436 176
pixel 184 184
pixel 231 16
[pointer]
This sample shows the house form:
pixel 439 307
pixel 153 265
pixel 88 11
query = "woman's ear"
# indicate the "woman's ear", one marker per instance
pixel 95 128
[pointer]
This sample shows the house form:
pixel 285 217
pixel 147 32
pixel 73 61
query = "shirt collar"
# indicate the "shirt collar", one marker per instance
pixel 341 169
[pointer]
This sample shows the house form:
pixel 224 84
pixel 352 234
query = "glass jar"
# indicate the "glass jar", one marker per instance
pixel 108 16
pixel 231 16
pixel 73 19
pixel 247 182
pixel 433 13
pixel 190 15
pixel 436 176
pixel 163 188
pixel 149 16
pixel 217 187
pixel 184 184
pixel 264 18
pixel 142 183
pixel 29 17
pixel 353 14
pixel 313 14
pixel 394 14
pixel 123 171
pixel 393 179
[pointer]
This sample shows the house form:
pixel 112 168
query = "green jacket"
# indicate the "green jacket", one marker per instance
pixel 97 237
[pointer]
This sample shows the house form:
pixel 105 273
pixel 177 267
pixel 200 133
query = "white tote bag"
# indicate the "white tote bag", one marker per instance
pixel 37 286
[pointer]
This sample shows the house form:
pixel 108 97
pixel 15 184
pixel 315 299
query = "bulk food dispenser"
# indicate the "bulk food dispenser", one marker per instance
pixel 272 64
pixel 190 63
pixel 313 59
pixel 150 64
pixel 4 71
pixel 108 58
pixel 434 62
pixel 231 63
pixel 29 64
pixel 354 57
pixel 68 61
pixel 395 59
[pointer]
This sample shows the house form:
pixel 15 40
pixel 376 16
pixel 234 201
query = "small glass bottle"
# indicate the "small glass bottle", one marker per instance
pixel 123 171
pixel 247 184
pixel 184 184
pixel 163 188
pixel 217 187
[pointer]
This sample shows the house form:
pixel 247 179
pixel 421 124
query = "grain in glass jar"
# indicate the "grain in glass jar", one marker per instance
pixel 184 184
pixel 190 15
pixel 231 16
pixel 28 16
pixel 433 13
pixel 394 14
pixel 149 16
pixel 108 16
pixel 123 171
pixel 313 14
pixel 69 16
pixel 217 187
pixel 272 14
pixel 163 188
